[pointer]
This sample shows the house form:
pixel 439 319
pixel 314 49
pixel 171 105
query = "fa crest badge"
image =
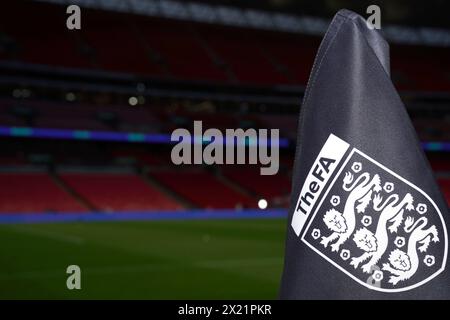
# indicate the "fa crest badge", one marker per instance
pixel 372 224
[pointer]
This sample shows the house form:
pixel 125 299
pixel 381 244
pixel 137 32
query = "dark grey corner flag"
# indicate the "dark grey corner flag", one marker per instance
pixel 367 220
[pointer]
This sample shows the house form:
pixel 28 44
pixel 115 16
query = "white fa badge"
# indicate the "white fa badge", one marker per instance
pixel 375 226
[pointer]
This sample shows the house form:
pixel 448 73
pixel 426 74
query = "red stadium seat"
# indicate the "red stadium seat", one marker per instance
pixel 294 52
pixel 34 192
pixel 116 44
pixel 184 54
pixel 203 189
pixel 243 55
pixel 250 178
pixel 118 192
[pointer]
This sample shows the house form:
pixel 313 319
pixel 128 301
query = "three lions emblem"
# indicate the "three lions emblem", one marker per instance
pixel 378 228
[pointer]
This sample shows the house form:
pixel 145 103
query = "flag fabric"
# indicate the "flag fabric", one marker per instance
pixel 367 219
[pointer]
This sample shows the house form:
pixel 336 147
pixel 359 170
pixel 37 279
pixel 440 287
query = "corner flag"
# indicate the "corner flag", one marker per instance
pixel 367 219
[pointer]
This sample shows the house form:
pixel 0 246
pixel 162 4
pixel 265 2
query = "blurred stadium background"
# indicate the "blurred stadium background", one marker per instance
pixel 85 123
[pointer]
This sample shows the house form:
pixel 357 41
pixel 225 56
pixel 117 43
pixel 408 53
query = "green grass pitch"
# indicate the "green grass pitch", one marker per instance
pixel 196 259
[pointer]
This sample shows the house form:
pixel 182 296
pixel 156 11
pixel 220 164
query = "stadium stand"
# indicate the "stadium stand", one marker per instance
pixel 34 192
pixel 104 31
pixel 117 192
pixel 38 47
pixel 172 49
pixel 207 191
pixel 243 55
pixel 275 189
pixel 410 73
pixel 251 179
pixel 44 114
pixel 181 50
pixel 200 61
pixel 293 54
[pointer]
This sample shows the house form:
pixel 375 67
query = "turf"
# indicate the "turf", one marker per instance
pixel 201 259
